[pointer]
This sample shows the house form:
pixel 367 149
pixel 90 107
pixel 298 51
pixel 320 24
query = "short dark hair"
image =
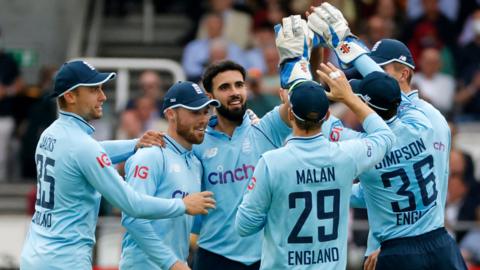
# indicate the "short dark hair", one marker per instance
pixel 214 69
pixel 308 125
pixel 62 102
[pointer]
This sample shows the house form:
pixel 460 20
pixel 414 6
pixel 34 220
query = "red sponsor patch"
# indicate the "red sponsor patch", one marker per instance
pixel 252 183
pixel 104 161
pixel 141 172
pixel 335 134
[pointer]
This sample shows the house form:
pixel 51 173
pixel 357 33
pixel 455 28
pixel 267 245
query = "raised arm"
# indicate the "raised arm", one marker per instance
pixel 252 212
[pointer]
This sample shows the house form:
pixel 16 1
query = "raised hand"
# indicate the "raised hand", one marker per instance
pixel 329 23
pixel 151 138
pixel 294 41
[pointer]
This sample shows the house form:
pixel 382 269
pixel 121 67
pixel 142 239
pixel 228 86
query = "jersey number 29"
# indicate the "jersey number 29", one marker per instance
pixel 294 237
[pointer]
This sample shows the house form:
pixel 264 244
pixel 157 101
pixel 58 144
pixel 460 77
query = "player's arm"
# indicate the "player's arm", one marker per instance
pixel 294 42
pixel 144 174
pixel 252 212
pixel 334 130
pixel 121 150
pixel 357 198
pixel 95 165
pixel 366 152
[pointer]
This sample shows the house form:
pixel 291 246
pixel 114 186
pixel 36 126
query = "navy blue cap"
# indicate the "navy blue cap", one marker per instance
pixel 386 51
pixel 187 95
pixel 309 101
pixel 78 73
pixel 379 90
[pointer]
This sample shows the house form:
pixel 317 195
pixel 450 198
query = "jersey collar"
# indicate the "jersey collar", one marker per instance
pixel 78 120
pixel 296 139
pixel 173 145
pixel 413 94
pixel 214 121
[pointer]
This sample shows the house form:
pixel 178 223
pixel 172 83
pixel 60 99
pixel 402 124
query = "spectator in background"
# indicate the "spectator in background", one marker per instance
pixel 236 24
pixel 468 97
pixel 377 29
pixel 257 100
pixel 40 114
pixel 130 126
pixel 462 198
pixel 218 50
pixel 263 37
pixel 151 87
pixel 271 78
pixel 434 86
pixel 450 8
pixel 10 82
pixel 196 54
pixel 148 116
pixel 432 29
pixel 469 55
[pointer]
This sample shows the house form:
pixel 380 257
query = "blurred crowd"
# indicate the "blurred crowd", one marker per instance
pixel 443 36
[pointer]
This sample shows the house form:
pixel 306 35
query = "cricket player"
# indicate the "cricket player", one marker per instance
pixel 74 171
pixel 233 146
pixel 170 172
pixel 301 196
pixel 396 59
pixel 401 192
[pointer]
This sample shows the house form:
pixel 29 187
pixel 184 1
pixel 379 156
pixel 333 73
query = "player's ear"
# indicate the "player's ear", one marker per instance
pixel 290 115
pixel 70 97
pixel 327 115
pixel 170 114
pixel 209 94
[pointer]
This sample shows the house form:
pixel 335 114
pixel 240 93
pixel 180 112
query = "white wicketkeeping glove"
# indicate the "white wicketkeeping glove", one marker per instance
pixel 294 42
pixel 328 22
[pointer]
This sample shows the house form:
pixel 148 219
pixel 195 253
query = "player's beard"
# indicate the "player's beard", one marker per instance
pixel 232 115
pixel 188 133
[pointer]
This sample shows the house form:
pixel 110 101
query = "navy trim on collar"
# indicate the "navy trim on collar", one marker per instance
pixel 82 123
pixel 412 93
pixel 297 138
pixel 175 146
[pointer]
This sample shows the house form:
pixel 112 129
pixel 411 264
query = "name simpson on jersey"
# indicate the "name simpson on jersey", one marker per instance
pixel 406 152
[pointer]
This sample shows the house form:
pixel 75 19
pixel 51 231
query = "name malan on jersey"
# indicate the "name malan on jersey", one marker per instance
pixel 318 175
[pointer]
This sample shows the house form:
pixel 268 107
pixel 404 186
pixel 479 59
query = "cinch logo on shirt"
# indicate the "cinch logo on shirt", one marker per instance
pixel 179 194
pixel 104 161
pixel 231 176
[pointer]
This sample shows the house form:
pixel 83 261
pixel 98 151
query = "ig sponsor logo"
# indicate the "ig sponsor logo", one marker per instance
pixel 103 160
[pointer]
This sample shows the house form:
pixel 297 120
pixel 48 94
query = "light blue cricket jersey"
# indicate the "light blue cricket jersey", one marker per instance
pixel 228 164
pixel 173 172
pixel 302 197
pixel 441 156
pixel 73 171
pixel 442 142
pixel 401 192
